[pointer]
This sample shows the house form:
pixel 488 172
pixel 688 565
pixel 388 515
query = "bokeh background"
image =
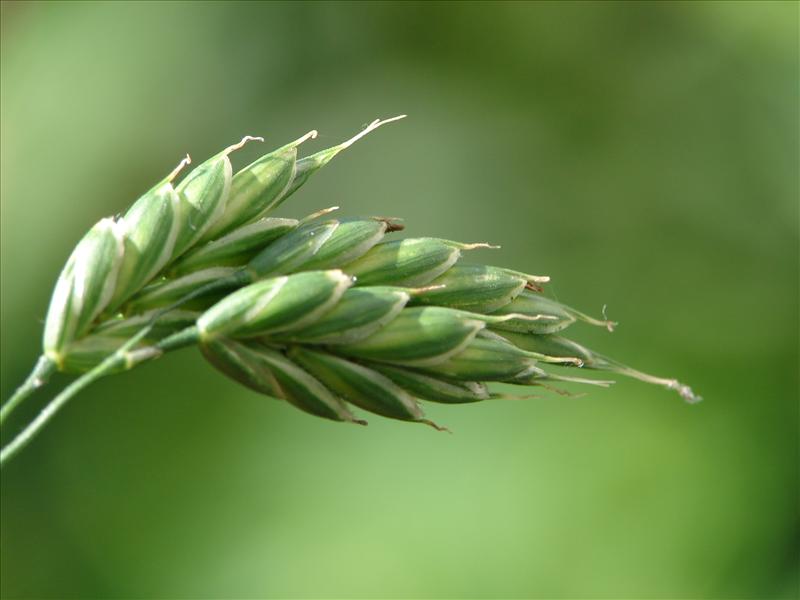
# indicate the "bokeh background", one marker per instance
pixel 645 155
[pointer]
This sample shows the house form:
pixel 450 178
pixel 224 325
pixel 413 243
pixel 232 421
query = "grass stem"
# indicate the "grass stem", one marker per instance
pixel 37 378
pixel 109 365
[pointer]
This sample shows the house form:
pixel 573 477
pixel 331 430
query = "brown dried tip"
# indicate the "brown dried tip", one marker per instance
pixel 516 396
pixel 392 223
pixel 532 282
pixel 533 287
pixel 359 422
pixel 434 425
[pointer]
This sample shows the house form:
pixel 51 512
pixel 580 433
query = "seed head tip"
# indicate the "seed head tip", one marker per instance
pixel 309 136
pixel 369 128
pixel 685 392
pixel 610 325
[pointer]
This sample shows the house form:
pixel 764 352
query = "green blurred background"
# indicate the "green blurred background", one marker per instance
pixel 645 155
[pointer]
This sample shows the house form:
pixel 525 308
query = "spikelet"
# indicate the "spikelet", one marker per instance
pixel 84 288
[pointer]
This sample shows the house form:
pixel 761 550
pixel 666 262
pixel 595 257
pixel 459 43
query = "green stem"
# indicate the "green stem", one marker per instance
pixel 120 358
pixel 37 378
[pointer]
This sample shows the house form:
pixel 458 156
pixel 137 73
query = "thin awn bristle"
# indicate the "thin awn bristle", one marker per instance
pixel 309 136
pixel 241 144
pixel 477 246
pixel 605 322
pixel 368 129
pixel 320 213
pixel 181 166
pixel 683 390
pixel 598 382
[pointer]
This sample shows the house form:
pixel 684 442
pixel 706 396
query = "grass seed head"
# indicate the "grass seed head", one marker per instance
pixel 417 323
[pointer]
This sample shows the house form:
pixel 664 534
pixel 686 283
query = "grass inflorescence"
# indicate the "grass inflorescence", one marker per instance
pixel 325 313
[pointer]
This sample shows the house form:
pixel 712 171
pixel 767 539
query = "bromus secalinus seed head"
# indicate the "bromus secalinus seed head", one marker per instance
pixel 325 313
